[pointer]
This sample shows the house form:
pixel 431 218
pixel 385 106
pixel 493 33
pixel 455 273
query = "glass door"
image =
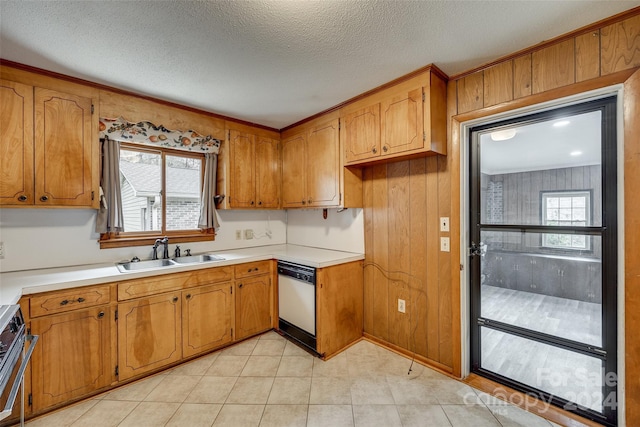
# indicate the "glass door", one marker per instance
pixel 543 256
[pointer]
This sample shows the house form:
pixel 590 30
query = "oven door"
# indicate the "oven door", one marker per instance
pixel 18 361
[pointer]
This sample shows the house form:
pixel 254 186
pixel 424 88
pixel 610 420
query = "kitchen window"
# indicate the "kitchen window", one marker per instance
pixel 570 209
pixel 161 193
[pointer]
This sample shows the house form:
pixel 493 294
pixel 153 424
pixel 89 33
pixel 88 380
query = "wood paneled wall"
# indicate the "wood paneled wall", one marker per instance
pixel 599 52
pixel 403 202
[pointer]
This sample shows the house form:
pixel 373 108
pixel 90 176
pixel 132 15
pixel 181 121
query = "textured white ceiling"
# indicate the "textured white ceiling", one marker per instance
pixel 275 62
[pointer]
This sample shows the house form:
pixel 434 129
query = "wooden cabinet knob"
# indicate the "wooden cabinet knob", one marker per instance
pixel 188 296
pixel 309 201
pixel 175 299
pixel 101 315
pixel 252 203
pixel 80 299
pixel 240 285
pixel 375 150
pixel 304 202
pixel 259 203
pixel 64 302
pixel 44 198
pixel 385 149
pixel 22 198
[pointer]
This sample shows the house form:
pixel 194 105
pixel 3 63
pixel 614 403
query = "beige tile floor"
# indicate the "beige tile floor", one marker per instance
pixel 268 381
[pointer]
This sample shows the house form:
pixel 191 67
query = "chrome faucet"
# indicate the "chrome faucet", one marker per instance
pixel 165 253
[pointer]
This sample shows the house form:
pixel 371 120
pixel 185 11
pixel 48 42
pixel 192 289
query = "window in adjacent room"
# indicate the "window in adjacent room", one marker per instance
pixel 570 208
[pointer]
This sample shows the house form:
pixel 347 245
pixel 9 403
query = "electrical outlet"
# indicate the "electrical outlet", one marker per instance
pixel 401 305
pixel 248 234
pixel 444 223
pixel 444 244
pixel 238 234
pixel 1 250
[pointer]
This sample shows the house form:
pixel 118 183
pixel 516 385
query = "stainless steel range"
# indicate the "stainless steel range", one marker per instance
pixel 13 359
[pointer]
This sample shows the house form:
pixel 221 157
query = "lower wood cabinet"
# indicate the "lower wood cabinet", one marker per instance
pixel 253 305
pixel 74 356
pixel 207 320
pixel 149 334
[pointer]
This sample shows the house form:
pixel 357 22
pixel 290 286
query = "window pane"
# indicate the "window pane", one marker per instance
pixel 140 180
pixel 573 376
pixel 183 176
pixel 546 291
pixel 514 173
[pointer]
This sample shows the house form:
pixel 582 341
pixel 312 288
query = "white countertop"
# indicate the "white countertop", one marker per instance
pixel 15 284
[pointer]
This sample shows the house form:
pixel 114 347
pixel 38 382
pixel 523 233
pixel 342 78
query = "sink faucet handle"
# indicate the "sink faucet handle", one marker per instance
pixel 188 251
pixel 176 253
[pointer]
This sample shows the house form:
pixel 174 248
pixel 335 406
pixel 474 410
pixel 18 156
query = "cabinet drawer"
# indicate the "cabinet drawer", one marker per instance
pixel 211 275
pixel 152 285
pixel 70 299
pixel 253 269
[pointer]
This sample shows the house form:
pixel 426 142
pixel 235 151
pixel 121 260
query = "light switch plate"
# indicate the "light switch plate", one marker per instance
pixel 444 223
pixel 444 244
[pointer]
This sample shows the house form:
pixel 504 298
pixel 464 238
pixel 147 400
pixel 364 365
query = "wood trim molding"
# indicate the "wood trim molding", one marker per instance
pixel 430 67
pixel 59 76
pixel 591 27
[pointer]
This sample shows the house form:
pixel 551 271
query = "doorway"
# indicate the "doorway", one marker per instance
pixel 543 256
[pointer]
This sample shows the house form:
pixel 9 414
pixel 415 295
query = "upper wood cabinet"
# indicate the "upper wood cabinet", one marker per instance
pixel 249 169
pixel 16 143
pixel 49 148
pixel 405 120
pixel 312 171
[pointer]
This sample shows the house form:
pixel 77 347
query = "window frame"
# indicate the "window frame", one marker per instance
pixel 143 238
pixel 587 194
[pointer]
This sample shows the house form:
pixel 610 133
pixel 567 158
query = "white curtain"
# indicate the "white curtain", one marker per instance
pixel 110 218
pixel 208 216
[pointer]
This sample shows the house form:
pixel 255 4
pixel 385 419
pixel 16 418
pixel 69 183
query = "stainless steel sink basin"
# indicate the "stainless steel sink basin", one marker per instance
pixel 197 258
pixel 144 265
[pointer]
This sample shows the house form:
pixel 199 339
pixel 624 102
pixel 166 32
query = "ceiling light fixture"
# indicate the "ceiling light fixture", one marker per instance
pixel 575 153
pixel 503 135
pixel 561 123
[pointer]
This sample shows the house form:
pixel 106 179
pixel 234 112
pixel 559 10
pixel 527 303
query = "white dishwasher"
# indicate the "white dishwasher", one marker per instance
pixel 297 303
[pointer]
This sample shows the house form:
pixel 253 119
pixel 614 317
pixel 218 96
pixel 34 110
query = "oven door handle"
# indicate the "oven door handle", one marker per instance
pixel 8 409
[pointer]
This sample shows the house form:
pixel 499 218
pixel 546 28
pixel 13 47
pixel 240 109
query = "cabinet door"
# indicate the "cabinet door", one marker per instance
pixel 63 149
pixel 149 334
pixel 242 177
pixel 402 122
pixel 323 165
pixel 206 318
pixel 16 143
pixel 72 357
pixel 253 306
pixel 267 161
pixel 294 171
pixel 360 133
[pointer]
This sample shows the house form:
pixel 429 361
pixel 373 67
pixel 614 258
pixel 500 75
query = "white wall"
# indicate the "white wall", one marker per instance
pixel 44 238
pixel 343 231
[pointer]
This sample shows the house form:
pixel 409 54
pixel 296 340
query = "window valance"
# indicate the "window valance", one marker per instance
pixel 149 134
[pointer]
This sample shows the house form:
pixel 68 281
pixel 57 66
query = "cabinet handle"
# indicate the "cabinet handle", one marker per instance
pixel 44 198
pixel 101 315
pixel 240 285
pixel 252 203
pixel 64 302
pixel 22 198
pixel 385 149
pixel 375 150
pixel 259 203
pixel 175 299
pixel 310 201
pixel 188 296
pixel 81 299
pixel 304 202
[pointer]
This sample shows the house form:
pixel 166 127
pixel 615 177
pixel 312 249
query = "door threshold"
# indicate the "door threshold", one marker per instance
pixel 528 403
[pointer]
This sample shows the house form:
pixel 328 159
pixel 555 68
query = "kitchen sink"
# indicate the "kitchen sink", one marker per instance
pixel 144 265
pixel 197 258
